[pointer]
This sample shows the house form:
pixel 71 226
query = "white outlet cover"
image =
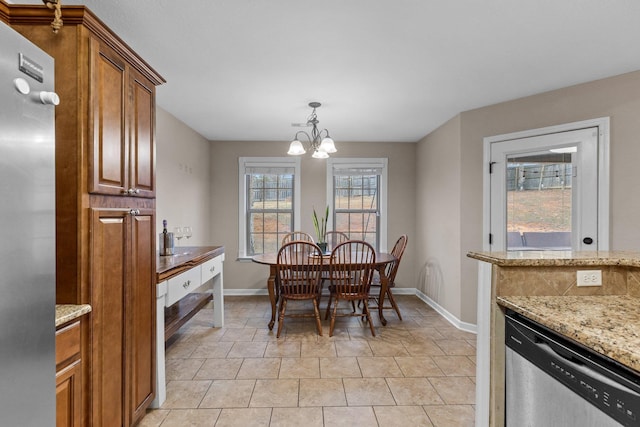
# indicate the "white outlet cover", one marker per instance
pixel 589 277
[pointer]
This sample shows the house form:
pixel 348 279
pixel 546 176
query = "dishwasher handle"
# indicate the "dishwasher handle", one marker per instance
pixel 579 366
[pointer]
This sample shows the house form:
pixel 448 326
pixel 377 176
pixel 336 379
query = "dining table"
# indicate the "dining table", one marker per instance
pixel 271 259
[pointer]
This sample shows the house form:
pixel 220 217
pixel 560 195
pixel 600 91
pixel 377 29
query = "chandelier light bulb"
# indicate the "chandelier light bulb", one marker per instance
pixel 296 148
pixel 328 145
pixel 318 154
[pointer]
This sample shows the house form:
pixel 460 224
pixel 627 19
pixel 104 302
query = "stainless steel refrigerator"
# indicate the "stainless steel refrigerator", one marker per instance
pixel 27 230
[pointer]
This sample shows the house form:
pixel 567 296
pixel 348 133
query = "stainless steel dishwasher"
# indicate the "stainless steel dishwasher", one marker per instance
pixel 554 382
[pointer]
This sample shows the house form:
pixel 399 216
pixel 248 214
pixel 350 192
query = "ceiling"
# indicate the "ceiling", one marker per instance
pixel 384 70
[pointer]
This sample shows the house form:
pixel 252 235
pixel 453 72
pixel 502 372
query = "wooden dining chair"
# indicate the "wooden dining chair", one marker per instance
pixel 390 271
pixel 298 268
pixel 334 238
pixel 351 267
pixel 296 235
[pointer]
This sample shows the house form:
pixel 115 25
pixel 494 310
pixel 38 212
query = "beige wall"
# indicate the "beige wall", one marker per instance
pixel 616 97
pixel 183 178
pixel 224 205
pixel 438 216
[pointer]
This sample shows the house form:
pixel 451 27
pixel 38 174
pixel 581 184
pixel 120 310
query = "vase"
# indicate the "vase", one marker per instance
pixel 323 247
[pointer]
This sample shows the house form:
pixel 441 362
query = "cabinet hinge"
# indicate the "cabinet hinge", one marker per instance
pixel 490 239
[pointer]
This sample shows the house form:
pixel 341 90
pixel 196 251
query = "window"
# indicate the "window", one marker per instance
pixel 269 202
pixel 357 194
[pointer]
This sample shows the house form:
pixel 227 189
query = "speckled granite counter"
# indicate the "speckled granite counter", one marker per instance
pixel 68 312
pixel 558 258
pixel 542 285
pixel 607 324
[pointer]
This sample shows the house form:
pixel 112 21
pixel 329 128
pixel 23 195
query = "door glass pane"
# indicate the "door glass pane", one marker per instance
pixel 539 200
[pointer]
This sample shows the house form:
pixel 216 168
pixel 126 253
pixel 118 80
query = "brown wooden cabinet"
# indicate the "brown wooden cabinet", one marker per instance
pixel 68 376
pixel 120 134
pixel 123 306
pixel 105 204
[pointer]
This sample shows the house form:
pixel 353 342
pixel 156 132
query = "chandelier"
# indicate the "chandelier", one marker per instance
pixel 321 146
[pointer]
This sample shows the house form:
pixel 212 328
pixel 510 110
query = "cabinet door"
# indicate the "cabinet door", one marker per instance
pixel 68 396
pixel 142 174
pixel 109 93
pixel 108 264
pixel 141 315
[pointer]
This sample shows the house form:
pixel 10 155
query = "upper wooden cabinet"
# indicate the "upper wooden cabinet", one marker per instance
pixel 121 130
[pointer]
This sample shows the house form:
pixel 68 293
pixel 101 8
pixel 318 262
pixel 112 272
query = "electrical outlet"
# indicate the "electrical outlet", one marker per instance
pixel 589 277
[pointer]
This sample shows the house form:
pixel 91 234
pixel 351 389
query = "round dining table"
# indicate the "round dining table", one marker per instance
pixel 271 259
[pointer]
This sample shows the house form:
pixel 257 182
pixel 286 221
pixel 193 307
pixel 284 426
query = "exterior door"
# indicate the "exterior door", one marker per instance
pixel 544 192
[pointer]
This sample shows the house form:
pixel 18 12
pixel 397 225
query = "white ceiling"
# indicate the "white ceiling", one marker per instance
pixel 384 70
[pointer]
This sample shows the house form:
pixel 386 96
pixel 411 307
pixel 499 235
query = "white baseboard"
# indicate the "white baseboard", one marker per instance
pixel 244 292
pixel 468 327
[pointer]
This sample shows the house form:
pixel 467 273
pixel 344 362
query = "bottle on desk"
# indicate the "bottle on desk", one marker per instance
pixel 166 240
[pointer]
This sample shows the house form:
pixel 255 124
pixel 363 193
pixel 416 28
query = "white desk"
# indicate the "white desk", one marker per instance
pixel 186 282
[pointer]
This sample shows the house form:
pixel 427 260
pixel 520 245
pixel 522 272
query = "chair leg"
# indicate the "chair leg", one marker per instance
pixel 333 317
pixel 393 303
pixel 317 312
pixel 283 308
pixel 366 310
pixel 326 316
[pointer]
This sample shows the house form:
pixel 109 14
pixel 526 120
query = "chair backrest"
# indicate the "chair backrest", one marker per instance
pixel 398 250
pixel 298 268
pixel 351 267
pixel 334 238
pixel 296 235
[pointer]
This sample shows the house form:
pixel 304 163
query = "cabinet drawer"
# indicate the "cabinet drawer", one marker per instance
pixel 211 268
pixel 67 342
pixel 182 284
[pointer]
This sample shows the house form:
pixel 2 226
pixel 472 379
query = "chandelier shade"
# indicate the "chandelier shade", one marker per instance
pixel 319 141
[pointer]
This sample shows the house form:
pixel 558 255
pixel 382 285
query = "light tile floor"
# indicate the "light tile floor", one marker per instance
pixel 416 372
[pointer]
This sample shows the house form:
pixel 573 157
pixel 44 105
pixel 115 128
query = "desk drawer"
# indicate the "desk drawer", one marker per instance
pixel 211 268
pixel 67 342
pixel 182 284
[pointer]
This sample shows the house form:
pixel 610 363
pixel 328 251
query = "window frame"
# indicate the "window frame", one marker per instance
pixel 363 163
pixel 272 162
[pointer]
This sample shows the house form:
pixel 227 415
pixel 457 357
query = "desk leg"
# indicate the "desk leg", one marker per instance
pixel 384 283
pixel 271 286
pixel 218 301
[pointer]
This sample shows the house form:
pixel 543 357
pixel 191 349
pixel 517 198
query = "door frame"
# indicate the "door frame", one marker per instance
pixel 602 123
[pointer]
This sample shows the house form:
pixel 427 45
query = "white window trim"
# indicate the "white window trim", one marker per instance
pixel 362 162
pixel 286 162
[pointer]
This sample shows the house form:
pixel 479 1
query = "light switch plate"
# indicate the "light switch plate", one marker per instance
pixel 589 277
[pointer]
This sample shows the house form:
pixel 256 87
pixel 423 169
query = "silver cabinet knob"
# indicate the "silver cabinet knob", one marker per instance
pixel 186 284
pixel 134 212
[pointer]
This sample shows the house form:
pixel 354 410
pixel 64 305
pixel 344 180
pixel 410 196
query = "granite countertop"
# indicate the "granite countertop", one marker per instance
pixel 185 258
pixel 68 312
pixel 607 324
pixel 186 255
pixel 558 258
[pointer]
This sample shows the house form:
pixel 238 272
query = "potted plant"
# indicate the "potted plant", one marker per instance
pixel 320 226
